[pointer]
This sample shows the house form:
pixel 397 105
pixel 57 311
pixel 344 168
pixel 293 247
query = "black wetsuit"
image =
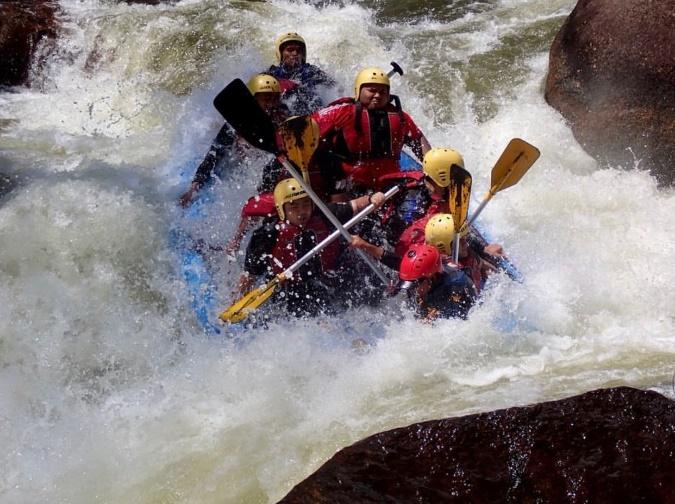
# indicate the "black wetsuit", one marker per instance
pixel 302 99
pixel 452 295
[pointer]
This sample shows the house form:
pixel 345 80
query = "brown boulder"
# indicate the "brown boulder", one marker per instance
pixel 27 28
pixel 612 445
pixel 612 76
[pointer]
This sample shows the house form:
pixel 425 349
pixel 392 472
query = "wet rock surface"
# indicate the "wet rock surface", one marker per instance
pixel 611 445
pixel 612 76
pixel 28 29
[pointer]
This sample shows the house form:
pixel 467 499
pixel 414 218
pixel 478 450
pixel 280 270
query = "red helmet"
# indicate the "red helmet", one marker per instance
pixel 421 260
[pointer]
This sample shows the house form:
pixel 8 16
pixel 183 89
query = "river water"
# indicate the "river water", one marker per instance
pixel 109 391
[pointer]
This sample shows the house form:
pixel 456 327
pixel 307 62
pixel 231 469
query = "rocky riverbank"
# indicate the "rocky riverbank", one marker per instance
pixel 611 445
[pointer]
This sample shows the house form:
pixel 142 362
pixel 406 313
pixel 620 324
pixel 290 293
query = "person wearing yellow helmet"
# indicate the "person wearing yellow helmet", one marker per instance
pixel 364 134
pixel 428 190
pixel 284 238
pixel 302 83
pixel 291 50
pixel 437 165
pixel 439 231
pixel 267 92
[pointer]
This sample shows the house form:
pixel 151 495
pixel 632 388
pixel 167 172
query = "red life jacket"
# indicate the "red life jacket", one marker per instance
pixel 408 179
pixel 369 142
pixel 284 253
pixel 404 179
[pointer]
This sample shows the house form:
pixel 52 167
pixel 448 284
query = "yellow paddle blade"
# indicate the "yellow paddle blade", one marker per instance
pixel 512 164
pixel 460 195
pixel 301 138
pixel 240 310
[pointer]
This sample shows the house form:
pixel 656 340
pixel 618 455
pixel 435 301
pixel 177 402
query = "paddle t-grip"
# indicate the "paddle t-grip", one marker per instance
pixel 396 69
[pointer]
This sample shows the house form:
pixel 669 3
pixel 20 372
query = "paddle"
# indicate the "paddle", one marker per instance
pixel 300 136
pixel 239 108
pixel 458 201
pixel 396 69
pixel 514 162
pixel 239 310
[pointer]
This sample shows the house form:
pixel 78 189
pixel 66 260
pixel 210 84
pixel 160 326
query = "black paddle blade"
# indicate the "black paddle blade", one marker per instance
pixel 239 108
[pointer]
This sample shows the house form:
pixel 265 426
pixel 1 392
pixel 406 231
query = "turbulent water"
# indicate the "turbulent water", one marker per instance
pixel 110 392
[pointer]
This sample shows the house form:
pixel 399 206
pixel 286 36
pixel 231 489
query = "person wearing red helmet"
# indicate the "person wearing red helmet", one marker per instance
pixel 436 288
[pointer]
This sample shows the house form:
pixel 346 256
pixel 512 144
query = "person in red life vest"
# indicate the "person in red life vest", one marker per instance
pixel 362 137
pixel 280 241
pixel 436 289
pixel 301 83
pixel 267 93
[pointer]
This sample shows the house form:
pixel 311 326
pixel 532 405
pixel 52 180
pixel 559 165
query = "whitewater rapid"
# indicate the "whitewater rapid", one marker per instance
pixel 109 392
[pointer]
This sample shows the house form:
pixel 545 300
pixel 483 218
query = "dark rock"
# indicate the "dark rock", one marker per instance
pixel 27 28
pixel 612 76
pixel 605 446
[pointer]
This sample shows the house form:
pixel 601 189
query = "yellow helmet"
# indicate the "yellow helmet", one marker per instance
pixel 437 163
pixel 263 83
pixel 440 232
pixel 286 191
pixel 371 75
pixel 284 38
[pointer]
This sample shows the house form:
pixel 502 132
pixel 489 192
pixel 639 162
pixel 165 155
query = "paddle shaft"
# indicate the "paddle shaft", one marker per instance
pixel 493 190
pixel 329 215
pixel 480 208
pixel 455 248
